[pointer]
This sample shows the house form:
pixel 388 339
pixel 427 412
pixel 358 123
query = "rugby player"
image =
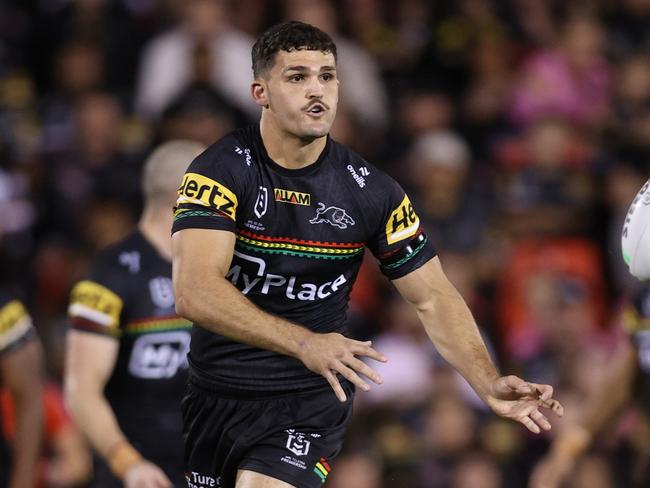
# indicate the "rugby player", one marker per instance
pixel 627 380
pixel 126 350
pixel 269 232
pixel 21 362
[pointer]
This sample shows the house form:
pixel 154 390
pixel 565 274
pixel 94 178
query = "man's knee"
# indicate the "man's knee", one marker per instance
pixel 251 479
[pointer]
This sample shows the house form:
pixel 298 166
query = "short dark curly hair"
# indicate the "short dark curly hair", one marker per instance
pixel 288 36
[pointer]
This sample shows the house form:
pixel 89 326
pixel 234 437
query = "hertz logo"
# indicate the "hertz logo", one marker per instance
pixel 402 222
pixel 201 190
pixel 293 197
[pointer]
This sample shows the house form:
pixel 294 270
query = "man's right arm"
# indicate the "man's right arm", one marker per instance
pixel 574 439
pixel 201 259
pixel 90 359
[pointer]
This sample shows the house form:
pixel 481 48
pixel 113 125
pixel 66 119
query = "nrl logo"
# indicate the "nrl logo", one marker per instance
pixel 297 444
pixel 332 215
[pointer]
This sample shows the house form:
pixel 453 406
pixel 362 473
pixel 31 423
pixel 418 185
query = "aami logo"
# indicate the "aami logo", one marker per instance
pixel 402 222
pixel 201 190
pixel 294 197
pixel 264 283
pixel 159 355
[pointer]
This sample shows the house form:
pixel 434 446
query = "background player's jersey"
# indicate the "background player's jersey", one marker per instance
pixel 128 296
pixel 637 322
pixel 300 238
pixel 15 330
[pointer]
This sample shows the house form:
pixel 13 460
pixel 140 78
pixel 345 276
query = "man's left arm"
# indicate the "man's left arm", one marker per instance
pixel 21 372
pixel 453 331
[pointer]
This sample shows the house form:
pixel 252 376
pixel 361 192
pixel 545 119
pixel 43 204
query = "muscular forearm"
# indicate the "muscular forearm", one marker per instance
pixel 96 420
pixel 220 307
pixel 449 323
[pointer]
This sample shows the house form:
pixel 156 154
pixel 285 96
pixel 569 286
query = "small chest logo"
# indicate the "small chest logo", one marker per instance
pixel 359 178
pixel 297 444
pixel 290 196
pixel 262 202
pixel 244 152
pixel 131 260
pixel 332 215
pixel 162 292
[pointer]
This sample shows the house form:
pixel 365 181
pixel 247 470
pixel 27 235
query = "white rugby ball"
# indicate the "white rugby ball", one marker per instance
pixel 635 240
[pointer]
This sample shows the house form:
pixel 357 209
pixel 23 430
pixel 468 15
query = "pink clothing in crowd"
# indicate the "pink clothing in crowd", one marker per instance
pixel 550 87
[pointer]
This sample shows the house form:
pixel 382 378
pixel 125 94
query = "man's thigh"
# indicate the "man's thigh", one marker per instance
pixel 251 479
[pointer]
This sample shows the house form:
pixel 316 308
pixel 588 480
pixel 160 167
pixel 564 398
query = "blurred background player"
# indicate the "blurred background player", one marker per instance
pixel 628 379
pixel 21 375
pixel 126 364
pixel 65 460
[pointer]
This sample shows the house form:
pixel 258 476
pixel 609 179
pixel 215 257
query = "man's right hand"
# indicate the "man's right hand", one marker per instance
pixel 145 474
pixel 329 354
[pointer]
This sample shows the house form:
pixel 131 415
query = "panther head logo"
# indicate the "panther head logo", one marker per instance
pixel 332 215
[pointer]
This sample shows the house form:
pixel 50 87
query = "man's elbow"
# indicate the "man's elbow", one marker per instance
pixel 183 306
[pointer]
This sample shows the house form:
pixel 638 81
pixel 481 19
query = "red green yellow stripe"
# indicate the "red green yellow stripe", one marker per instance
pixel 291 240
pixel 156 324
pixel 322 469
pixel 296 247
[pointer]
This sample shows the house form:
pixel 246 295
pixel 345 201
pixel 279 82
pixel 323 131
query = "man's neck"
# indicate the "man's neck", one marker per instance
pixel 286 149
pixel 155 225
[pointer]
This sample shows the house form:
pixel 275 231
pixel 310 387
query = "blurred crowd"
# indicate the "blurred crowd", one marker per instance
pixel 520 129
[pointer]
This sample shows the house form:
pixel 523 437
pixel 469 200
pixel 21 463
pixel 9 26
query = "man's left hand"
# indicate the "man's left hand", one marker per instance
pixel 516 399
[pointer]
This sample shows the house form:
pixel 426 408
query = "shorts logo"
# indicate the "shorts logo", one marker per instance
pixel 290 196
pixel 402 222
pixel 322 469
pixel 201 190
pixel 162 292
pixel 198 480
pixel 332 215
pixel 262 202
pixel 297 444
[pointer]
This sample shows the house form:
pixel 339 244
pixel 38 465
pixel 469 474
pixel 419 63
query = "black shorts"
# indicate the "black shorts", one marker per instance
pixel 290 438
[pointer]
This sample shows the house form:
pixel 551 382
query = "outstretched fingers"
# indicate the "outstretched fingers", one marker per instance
pixel 331 378
pixel 365 349
pixel 540 419
pixel 361 367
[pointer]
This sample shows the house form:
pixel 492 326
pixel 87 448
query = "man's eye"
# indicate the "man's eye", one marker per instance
pixel 327 77
pixel 296 78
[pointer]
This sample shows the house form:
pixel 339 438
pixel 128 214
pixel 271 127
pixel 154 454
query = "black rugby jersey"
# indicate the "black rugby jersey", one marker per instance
pixel 637 323
pixel 300 238
pixel 128 295
pixel 16 329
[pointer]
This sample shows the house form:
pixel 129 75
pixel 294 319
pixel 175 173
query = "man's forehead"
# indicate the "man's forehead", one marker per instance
pixel 304 57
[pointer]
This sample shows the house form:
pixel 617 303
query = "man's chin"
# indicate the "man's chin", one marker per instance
pixel 316 131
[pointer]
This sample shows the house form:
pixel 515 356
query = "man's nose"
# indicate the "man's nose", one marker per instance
pixel 314 88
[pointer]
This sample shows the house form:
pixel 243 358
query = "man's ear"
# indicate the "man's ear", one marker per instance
pixel 259 93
